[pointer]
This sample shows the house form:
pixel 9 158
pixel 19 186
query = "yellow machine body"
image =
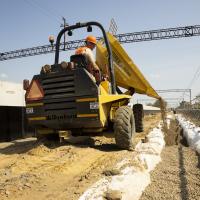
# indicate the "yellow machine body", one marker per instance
pixel 127 73
pixel 127 76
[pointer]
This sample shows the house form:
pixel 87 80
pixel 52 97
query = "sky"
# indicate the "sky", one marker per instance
pixel 167 64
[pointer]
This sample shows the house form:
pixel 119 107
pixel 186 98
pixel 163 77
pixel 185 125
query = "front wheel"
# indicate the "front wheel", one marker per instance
pixel 124 127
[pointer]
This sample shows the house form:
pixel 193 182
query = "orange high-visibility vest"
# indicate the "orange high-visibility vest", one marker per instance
pixel 89 68
pixel 80 50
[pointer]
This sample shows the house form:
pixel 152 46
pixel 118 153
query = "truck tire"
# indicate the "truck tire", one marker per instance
pixel 138 114
pixel 124 127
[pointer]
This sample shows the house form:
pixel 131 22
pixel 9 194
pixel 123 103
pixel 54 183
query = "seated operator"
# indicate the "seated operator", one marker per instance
pixel 87 52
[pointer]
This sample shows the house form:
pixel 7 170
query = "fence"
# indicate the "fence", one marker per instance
pixel 192 114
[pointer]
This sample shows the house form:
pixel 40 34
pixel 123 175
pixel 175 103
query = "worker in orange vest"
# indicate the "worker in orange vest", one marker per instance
pixel 87 52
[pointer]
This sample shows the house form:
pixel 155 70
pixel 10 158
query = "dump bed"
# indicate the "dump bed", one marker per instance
pixel 127 73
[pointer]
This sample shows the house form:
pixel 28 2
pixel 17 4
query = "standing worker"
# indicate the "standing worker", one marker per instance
pixel 87 52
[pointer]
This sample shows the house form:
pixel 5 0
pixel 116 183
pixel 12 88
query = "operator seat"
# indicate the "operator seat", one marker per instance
pixel 81 61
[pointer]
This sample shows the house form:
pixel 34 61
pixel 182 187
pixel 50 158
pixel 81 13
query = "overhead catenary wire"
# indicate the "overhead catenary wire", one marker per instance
pixel 43 10
pixel 50 9
pixel 194 78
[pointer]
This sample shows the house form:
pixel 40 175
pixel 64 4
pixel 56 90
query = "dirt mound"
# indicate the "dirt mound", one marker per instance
pixel 50 170
pixel 39 150
pixel 172 133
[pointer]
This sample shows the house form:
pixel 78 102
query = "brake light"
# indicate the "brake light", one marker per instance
pixel 35 91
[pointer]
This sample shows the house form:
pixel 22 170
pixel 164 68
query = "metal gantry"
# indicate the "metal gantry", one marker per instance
pixel 169 33
pixel 160 34
pixel 173 90
pixel 40 50
pixel 178 90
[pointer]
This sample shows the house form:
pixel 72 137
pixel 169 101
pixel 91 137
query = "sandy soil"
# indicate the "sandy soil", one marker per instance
pixel 177 176
pixel 35 170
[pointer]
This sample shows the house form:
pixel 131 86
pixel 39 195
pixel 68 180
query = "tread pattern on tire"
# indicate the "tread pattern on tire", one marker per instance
pixel 124 127
pixel 138 114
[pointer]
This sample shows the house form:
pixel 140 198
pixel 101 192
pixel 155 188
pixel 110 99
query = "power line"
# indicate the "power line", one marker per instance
pixel 50 10
pixel 195 77
pixel 43 10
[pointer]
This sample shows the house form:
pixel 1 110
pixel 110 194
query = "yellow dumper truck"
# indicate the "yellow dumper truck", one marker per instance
pixel 64 98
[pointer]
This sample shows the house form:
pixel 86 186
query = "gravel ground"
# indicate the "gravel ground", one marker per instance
pixel 178 175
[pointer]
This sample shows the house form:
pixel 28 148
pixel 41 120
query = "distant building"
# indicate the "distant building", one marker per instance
pixel 13 123
pixel 11 94
pixel 150 109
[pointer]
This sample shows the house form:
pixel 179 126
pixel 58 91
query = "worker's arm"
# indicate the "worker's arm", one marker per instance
pixel 88 53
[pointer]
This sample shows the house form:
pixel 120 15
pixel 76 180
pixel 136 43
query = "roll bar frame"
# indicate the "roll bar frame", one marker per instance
pixel 110 60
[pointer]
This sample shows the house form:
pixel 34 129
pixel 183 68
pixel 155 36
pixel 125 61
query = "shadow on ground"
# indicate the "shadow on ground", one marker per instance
pixel 184 195
pixel 20 147
pixel 198 164
pixel 182 175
